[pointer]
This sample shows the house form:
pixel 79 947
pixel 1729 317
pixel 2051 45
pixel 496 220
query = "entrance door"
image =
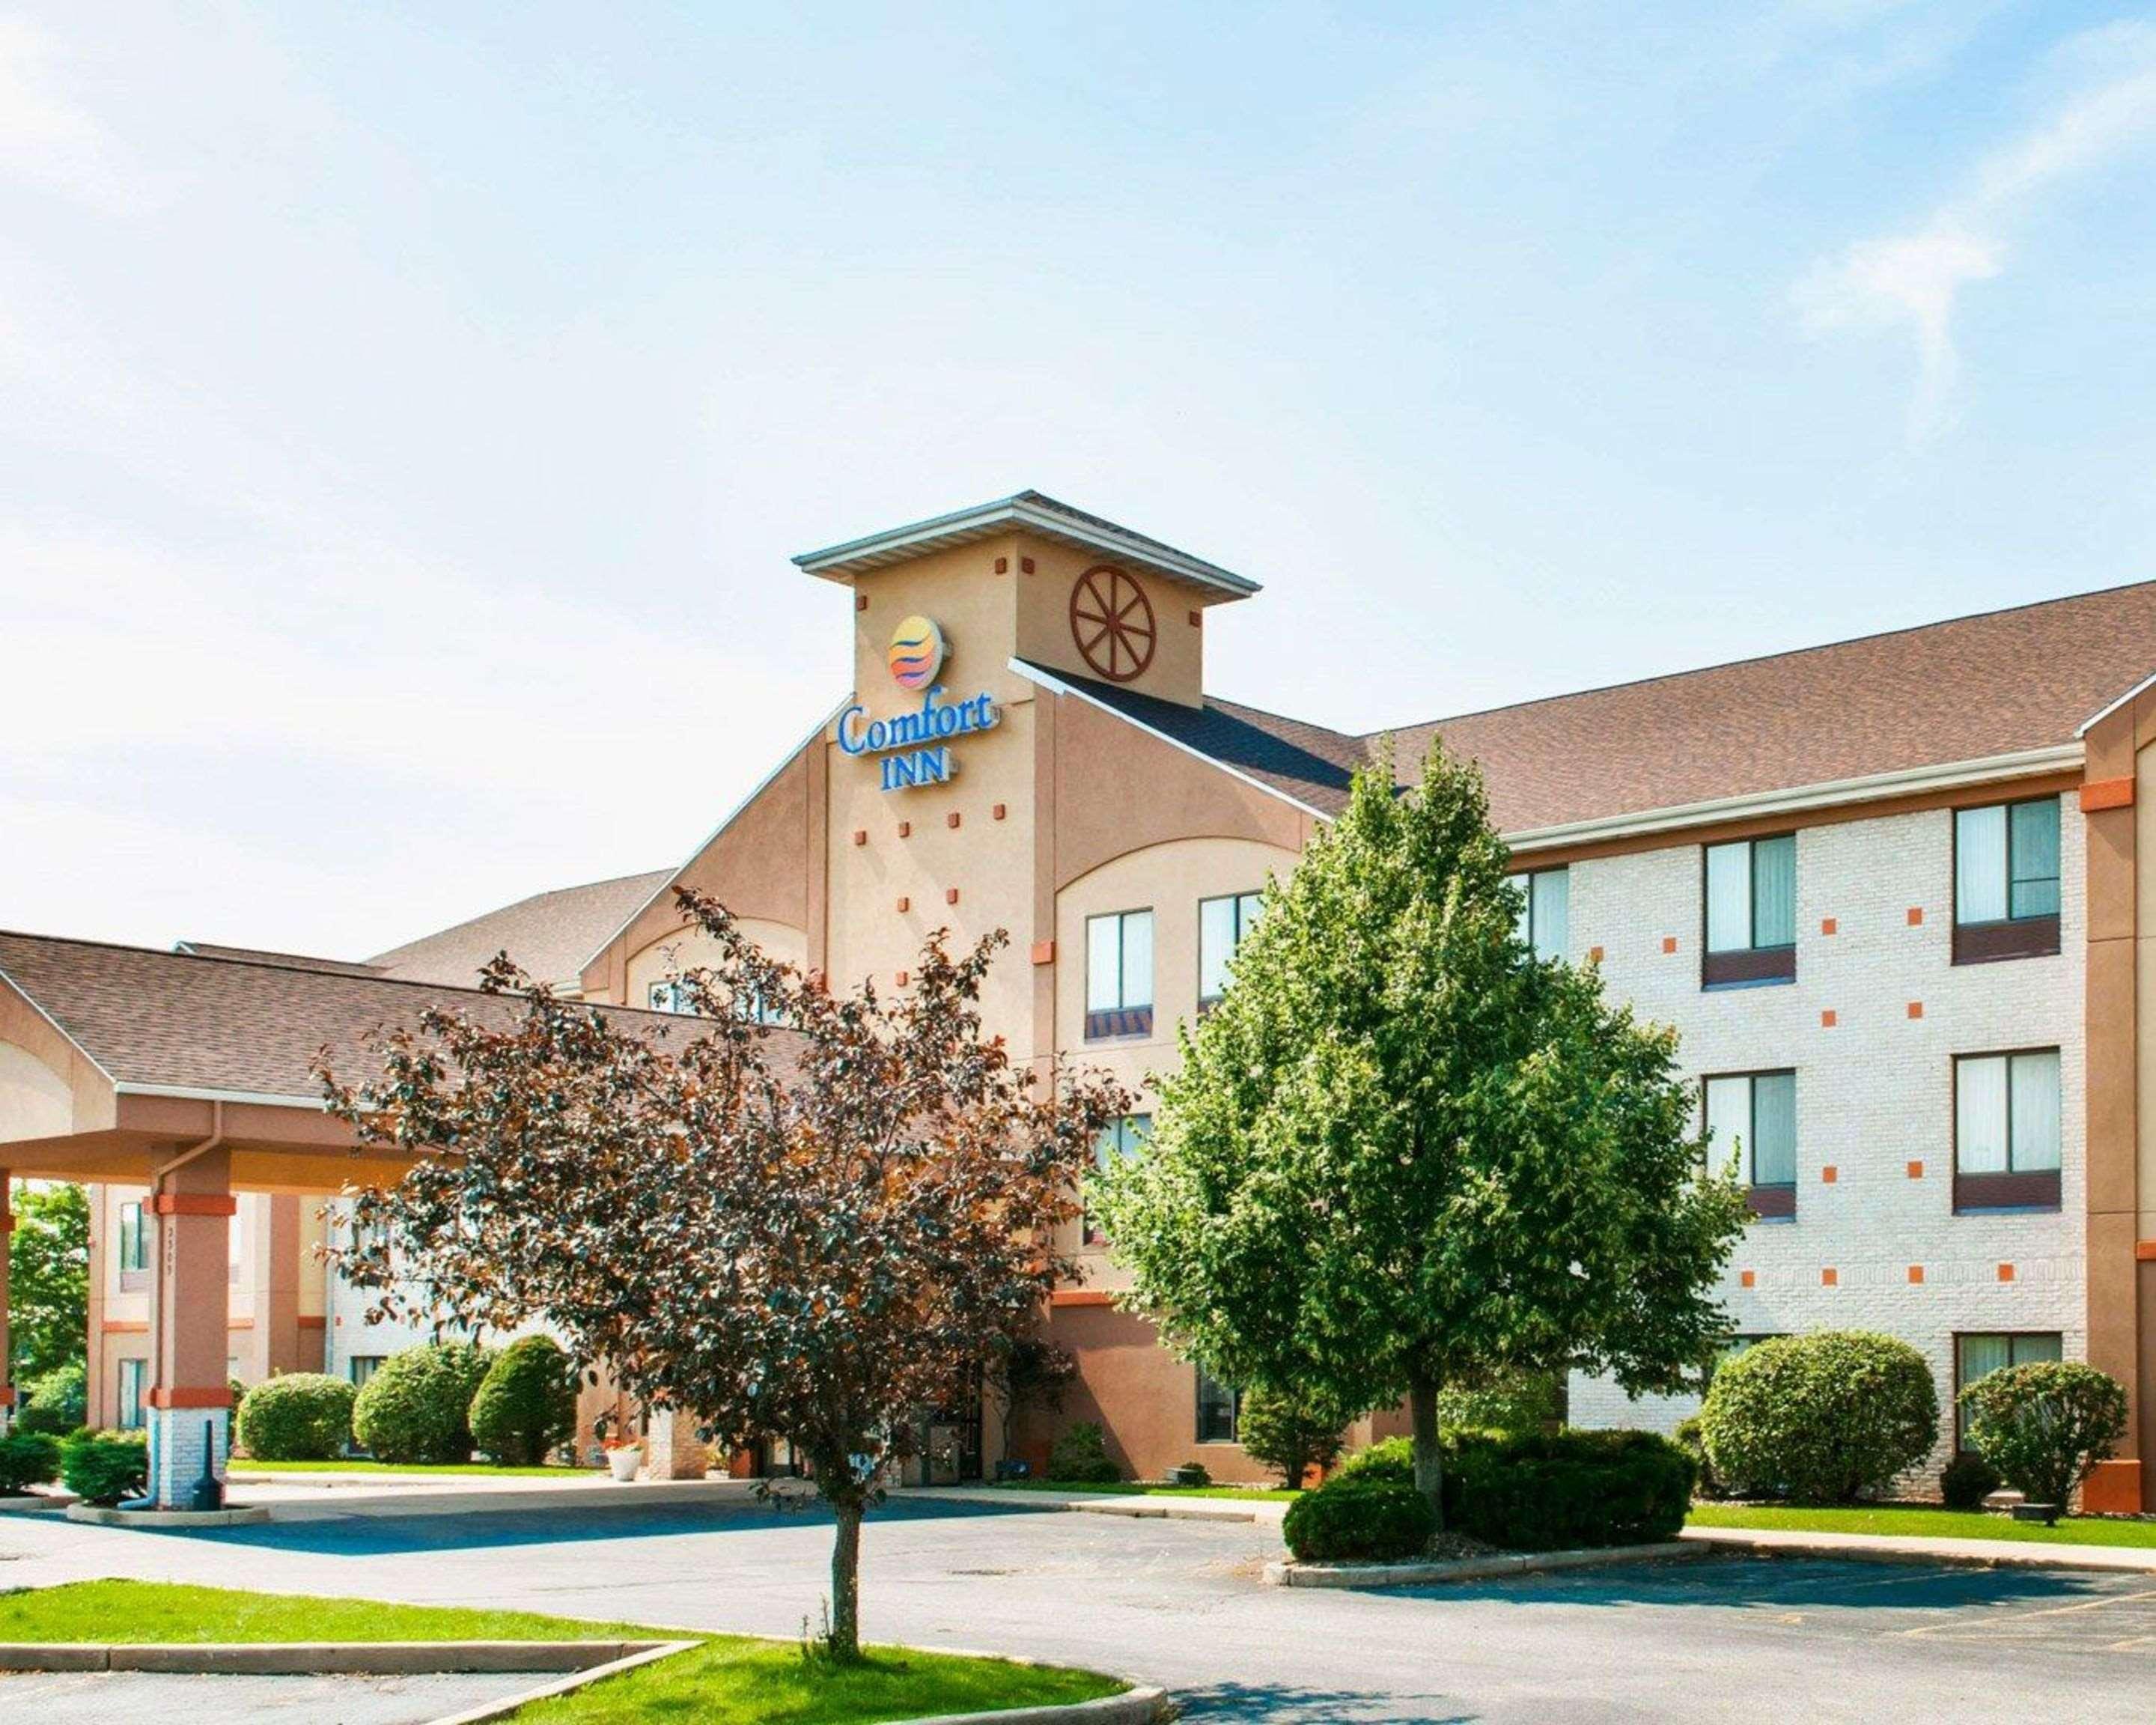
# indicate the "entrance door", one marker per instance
pixel 951 1441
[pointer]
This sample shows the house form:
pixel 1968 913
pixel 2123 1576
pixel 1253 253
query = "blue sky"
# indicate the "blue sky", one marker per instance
pixel 407 412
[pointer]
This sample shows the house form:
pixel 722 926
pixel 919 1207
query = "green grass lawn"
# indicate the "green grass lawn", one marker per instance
pixel 1134 1488
pixel 242 1464
pixel 1904 1521
pixel 726 1680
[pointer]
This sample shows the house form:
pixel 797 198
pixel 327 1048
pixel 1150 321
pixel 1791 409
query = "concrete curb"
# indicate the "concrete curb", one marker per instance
pixel 1136 1506
pixel 96 1516
pixel 298 1658
pixel 1955 1554
pixel 1133 1706
pixel 1423 1574
pixel 612 1668
pixel 30 1503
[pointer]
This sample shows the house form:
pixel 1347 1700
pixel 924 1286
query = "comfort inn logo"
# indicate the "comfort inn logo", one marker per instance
pixel 915 745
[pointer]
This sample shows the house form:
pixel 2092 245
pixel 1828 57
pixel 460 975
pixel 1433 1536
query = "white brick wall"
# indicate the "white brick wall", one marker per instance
pixel 1874 1091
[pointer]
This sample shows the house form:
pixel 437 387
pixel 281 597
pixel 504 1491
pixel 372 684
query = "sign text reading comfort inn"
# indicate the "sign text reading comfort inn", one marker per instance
pixel 915 745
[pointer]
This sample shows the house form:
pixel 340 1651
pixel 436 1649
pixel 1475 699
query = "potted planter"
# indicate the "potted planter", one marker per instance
pixel 622 1459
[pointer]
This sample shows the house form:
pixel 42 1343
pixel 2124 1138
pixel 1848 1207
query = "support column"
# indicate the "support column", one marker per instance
pixel 672 1450
pixel 190 1408
pixel 7 1247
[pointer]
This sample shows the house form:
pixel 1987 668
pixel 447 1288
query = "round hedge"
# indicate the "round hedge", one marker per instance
pixel 2043 1426
pixel 302 1416
pixel 106 1467
pixel 1828 1417
pixel 1371 1519
pixel 526 1404
pixel 27 1459
pixel 416 1407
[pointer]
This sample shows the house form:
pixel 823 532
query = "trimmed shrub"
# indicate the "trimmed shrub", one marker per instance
pixel 2045 1426
pixel 1559 1491
pixel 1391 1459
pixel 106 1467
pixel 1828 1417
pixel 27 1459
pixel 1291 1431
pixel 416 1407
pixel 302 1416
pixel 1966 1481
pixel 1369 1519
pixel 56 1403
pixel 1688 1438
pixel 1080 1457
pixel 526 1403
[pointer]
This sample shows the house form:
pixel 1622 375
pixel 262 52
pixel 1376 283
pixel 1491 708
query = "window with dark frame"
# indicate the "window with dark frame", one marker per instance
pixel 1545 919
pixel 1754 1114
pixel 1219 1409
pixel 361 1367
pixel 2006 881
pixel 1119 974
pixel 1118 1142
pixel 1222 923
pixel 1751 913
pixel 133 1374
pixel 1977 1356
pixel 133 1240
pixel 2007 1130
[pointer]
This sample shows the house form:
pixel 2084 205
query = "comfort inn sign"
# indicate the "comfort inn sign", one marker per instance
pixel 915 744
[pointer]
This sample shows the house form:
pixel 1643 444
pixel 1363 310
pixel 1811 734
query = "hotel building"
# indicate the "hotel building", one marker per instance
pixel 1898 894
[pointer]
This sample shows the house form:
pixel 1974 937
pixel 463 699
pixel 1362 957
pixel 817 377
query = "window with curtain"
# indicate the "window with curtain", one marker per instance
pixel 361 1367
pixel 2007 1130
pixel 2006 881
pixel 133 1239
pixel 1753 1116
pixel 1222 923
pixel 1751 887
pixel 1219 1409
pixel 1119 974
pixel 1976 1357
pixel 1117 1143
pixel 1545 920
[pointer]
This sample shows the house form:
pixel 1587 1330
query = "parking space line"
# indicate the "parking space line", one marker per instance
pixel 1991 1624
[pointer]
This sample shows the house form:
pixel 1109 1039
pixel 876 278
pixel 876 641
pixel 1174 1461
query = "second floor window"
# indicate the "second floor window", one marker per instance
pixel 2006 881
pixel 133 1239
pixel 672 996
pixel 1751 913
pixel 1545 924
pixel 1118 1143
pixel 2007 1130
pixel 1754 1114
pixel 1119 974
pixel 1222 923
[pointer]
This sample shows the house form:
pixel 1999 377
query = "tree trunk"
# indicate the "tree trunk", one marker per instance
pixel 846 1643
pixel 1428 1454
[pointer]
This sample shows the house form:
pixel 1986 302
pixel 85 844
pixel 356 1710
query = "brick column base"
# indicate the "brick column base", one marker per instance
pixel 672 1450
pixel 179 1438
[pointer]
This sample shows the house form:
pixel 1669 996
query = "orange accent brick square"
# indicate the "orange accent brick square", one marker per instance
pixel 1747 1278
pixel 1827 1020
pixel 860 602
pixel 860 835
pixel 1669 943
pixel 1916 1171
pixel 952 818
pixel 1003 566
pixel 1915 1009
pixel 1196 620
pixel 905 830
pixel 901 979
pixel 1917 1275
pixel 1829 1174
pixel 997 811
pixel 1915 915
pixel 950 894
pixel 1043 952
pixel 904 905
pixel 1828 924
pixel 1594 955
pixel 1829 1278
pixel 1025 565
pixel 2006 1272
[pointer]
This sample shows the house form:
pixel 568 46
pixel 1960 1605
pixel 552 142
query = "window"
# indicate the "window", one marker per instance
pixel 1751 913
pixel 1976 1357
pixel 1545 924
pixel 2006 881
pixel 672 996
pixel 2006 1131
pixel 1222 923
pixel 133 1240
pixel 1219 1409
pixel 1119 974
pixel 1754 1114
pixel 669 996
pixel 133 1374
pixel 1118 1143
pixel 361 1367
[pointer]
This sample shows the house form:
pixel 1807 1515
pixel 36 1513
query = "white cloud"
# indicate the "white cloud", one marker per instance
pixel 1913 279
pixel 47 139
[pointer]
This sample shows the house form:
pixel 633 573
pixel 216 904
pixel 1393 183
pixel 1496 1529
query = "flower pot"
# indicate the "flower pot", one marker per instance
pixel 621 1463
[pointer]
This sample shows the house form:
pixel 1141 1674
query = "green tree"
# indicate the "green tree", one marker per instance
pixel 48 1280
pixel 1403 1155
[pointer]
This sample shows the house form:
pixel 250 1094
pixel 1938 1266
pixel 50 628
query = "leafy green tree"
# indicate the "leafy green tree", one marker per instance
pixel 1292 1431
pixel 48 1280
pixel 1401 1154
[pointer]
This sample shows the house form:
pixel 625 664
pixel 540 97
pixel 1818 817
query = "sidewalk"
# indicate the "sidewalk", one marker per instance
pixel 1894 1549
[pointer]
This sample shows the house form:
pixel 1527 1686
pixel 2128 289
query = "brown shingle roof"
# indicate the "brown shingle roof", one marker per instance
pixel 1968 689
pixel 551 934
pixel 292 960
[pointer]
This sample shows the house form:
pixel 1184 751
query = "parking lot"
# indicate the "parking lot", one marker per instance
pixel 1721 1638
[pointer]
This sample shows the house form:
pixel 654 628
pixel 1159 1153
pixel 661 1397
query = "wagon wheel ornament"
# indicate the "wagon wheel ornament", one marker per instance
pixel 1111 621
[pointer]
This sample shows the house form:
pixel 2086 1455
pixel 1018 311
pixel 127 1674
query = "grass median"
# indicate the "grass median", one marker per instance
pixel 723 1680
pixel 1918 1522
